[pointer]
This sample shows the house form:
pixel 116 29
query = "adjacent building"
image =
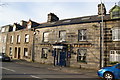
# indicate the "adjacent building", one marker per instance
pixel 20 41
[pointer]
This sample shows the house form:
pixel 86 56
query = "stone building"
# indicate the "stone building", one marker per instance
pixel 20 40
pixel 3 37
pixel 75 42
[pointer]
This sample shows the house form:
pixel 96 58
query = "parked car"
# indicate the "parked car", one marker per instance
pixel 110 73
pixel 4 57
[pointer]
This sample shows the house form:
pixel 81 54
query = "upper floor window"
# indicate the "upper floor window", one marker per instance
pixel 116 34
pixel 82 35
pixel 18 38
pixel 26 38
pixel 3 39
pixel 62 35
pixel 81 55
pixel 11 39
pixel 45 36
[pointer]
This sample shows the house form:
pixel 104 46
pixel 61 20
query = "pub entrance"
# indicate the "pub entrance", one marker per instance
pixel 60 54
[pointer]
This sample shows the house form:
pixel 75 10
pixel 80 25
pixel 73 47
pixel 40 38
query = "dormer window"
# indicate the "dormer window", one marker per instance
pixel 115 12
pixel 3 30
pixel 29 26
pixel 14 28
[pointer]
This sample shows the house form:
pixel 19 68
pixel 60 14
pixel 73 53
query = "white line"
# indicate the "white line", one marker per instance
pixel 34 76
pixel 8 69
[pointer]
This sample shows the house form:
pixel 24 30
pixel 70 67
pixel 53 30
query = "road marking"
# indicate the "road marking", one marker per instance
pixel 8 69
pixel 34 76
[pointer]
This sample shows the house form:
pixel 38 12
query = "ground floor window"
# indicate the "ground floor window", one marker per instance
pixel 25 52
pixel 10 53
pixel 81 55
pixel 44 53
pixel 115 56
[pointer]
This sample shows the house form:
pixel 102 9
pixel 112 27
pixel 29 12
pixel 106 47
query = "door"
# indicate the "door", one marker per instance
pixel 19 53
pixel 62 58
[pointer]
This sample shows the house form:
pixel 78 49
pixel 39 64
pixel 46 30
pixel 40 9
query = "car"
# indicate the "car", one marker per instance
pixel 110 73
pixel 4 57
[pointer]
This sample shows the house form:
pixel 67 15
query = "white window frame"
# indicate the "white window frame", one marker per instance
pixel 62 35
pixel 27 37
pixel 11 39
pixel 3 29
pixel 114 55
pixel 29 26
pixel 18 38
pixel 46 36
pixel 14 28
pixel 82 53
pixel 83 34
pixel 116 34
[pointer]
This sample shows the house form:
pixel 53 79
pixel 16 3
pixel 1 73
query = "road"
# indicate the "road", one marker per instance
pixel 15 71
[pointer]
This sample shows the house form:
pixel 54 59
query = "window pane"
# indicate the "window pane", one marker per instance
pixel 116 34
pixel 44 53
pixel 62 35
pixel 82 35
pixel 45 36
pixel 81 56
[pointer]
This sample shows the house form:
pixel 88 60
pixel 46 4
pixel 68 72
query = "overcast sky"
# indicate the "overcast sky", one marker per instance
pixel 37 10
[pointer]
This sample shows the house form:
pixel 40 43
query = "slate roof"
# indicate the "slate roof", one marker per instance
pixel 78 20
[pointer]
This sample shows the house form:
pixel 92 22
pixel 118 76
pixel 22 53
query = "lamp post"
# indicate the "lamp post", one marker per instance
pixel 101 38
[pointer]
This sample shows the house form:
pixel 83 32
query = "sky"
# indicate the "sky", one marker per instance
pixel 12 11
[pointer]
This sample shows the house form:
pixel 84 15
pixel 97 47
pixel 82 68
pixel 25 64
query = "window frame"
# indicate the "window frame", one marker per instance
pixel 46 39
pixel 83 35
pixel 83 57
pixel 27 38
pixel 61 36
pixel 43 54
pixel 10 52
pixel 11 39
pixel 18 38
pixel 116 34
pixel 26 50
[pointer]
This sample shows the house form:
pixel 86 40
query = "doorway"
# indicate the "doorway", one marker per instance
pixel 19 53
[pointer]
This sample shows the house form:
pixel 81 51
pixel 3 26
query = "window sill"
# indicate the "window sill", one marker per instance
pixel 115 40
pixel 82 41
pixel 82 61
pixel 26 42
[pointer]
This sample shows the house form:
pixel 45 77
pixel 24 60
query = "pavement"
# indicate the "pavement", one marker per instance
pixel 58 68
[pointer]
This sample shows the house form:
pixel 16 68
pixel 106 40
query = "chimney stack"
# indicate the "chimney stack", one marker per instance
pixel 52 17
